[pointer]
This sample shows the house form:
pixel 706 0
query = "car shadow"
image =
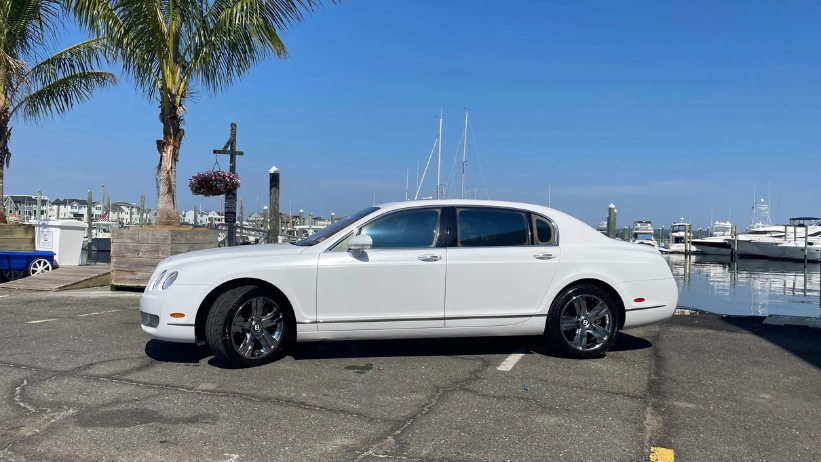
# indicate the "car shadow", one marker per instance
pixel 181 353
pixel 470 346
pixel 357 349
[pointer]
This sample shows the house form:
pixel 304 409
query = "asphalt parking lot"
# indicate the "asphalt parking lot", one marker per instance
pixel 79 381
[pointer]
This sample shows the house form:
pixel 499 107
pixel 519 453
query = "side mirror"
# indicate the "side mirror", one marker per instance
pixel 359 243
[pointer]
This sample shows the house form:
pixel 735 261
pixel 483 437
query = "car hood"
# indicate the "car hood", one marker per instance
pixel 270 250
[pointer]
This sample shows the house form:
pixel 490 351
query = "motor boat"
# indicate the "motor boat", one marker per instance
pixel 718 243
pixel 794 250
pixel 678 236
pixel 643 233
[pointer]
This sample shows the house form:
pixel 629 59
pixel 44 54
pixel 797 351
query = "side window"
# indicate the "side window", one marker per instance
pixel 543 230
pixel 491 227
pixel 413 228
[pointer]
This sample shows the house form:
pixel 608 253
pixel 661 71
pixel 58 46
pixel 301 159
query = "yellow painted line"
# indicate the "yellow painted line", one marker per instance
pixel 661 455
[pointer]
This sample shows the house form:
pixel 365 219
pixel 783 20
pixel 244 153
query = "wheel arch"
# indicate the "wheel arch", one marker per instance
pixel 208 301
pixel 603 286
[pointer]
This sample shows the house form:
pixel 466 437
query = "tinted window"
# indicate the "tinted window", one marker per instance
pixel 544 231
pixel 491 228
pixel 414 228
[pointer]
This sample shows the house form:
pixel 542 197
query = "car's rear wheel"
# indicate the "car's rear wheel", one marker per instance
pixel 248 326
pixel 583 322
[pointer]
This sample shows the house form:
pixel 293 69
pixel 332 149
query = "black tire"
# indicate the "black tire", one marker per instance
pixel 568 341
pixel 222 338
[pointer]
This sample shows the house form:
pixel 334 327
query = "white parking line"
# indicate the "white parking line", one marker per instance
pixel 99 312
pixel 511 361
pixel 41 320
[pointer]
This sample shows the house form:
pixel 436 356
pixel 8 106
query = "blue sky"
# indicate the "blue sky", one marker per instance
pixel 663 108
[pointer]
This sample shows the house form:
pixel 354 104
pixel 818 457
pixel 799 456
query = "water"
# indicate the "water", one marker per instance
pixel 749 286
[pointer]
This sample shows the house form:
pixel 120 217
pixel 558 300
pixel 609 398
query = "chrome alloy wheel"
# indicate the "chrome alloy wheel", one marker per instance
pixel 586 322
pixel 257 328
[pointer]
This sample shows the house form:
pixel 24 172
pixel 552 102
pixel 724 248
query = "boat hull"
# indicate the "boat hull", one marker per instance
pixel 795 252
pixel 713 247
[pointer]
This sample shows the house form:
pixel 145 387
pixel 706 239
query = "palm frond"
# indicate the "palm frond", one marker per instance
pixel 58 97
pixel 82 57
pixel 236 34
pixel 30 26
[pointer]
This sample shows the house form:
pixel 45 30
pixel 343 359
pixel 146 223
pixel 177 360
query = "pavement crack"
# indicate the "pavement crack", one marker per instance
pixel 18 398
pixel 388 443
pixel 227 394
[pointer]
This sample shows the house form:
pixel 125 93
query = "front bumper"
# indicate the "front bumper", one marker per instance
pixel 156 307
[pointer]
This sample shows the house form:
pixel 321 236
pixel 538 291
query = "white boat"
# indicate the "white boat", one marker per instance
pixel 602 228
pixel 718 243
pixel 770 246
pixel 794 250
pixel 678 236
pixel 643 233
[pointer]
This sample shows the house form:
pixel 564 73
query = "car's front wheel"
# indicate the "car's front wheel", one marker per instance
pixel 583 322
pixel 247 326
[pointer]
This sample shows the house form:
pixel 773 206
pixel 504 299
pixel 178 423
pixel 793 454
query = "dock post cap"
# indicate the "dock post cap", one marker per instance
pixel 611 206
pixel 273 170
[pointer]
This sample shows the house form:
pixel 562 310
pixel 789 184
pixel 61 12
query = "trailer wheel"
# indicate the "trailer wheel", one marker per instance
pixel 38 266
pixel 12 275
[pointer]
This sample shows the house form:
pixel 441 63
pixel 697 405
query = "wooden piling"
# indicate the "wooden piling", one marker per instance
pixel 734 246
pixel 89 228
pixel 805 255
pixel 39 205
pixel 142 210
pixel 274 227
pixel 196 215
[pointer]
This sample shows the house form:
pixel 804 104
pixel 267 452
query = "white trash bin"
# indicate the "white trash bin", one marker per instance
pixel 63 237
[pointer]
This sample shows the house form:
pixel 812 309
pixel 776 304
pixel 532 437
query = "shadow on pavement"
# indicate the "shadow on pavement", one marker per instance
pixel 168 352
pixel 804 342
pixel 472 346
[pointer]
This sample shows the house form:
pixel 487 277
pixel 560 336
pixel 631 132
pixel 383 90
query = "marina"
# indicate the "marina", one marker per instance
pixel 747 286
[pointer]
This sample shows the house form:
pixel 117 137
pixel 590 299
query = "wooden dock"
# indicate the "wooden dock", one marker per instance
pixel 64 278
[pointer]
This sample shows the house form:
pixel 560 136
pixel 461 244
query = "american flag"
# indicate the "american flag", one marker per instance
pixel 104 216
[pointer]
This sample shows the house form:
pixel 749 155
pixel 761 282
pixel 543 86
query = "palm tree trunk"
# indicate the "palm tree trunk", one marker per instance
pixel 169 149
pixel 5 157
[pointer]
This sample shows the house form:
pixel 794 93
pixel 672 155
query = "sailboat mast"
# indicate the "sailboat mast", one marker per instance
pixel 465 152
pixel 439 166
pixel 407 173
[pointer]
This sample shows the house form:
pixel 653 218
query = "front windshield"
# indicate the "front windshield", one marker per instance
pixel 644 237
pixel 334 228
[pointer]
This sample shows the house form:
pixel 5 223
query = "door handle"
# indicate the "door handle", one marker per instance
pixel 430 257
pixel 543 256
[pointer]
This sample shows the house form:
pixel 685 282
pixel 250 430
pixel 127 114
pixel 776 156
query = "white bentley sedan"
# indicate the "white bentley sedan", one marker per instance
pixel 444 268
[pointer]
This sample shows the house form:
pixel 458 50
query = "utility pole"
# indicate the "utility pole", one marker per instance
pixel 230 149
pixel 465 152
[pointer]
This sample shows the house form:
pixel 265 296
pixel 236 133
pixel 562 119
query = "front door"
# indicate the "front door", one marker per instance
pixel 500 266
pixel 399 283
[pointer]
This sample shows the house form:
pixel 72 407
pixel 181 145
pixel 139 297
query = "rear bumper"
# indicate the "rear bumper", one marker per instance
pixel 156 307
pixel 660 301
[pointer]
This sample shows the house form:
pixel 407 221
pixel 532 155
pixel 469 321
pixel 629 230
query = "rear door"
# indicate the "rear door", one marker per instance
pixel 501 263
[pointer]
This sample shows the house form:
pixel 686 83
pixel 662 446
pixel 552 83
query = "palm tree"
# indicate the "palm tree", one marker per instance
pixel 52 86
pixel 171 47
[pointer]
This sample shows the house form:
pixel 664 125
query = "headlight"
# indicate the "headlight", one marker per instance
pixel 157 281
pixel 170 280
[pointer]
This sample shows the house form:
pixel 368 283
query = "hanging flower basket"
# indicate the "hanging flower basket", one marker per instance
pixel 213 183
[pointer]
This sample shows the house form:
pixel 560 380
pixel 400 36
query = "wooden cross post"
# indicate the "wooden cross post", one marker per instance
pixel 230 149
